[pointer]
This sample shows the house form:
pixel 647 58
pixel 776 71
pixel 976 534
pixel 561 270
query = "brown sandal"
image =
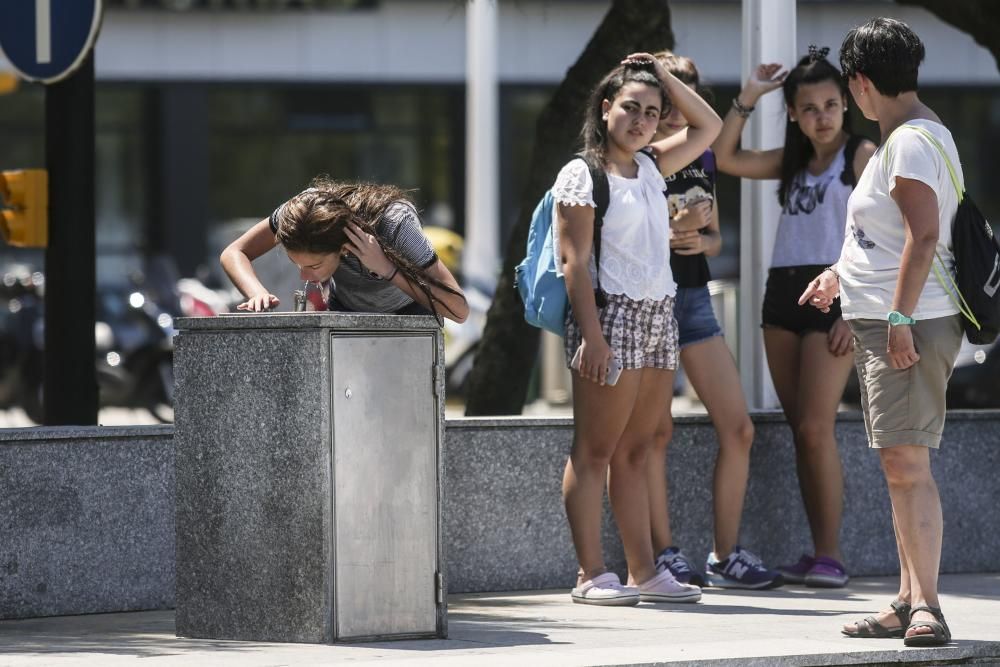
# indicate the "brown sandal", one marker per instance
pixel 870 628
pixel 939 635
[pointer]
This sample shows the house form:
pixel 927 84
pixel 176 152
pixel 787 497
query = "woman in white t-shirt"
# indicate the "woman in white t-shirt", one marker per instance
pixel 628 322
pixel 907 331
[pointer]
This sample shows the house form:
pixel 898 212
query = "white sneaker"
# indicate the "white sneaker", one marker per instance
pixel 605 589
pixel 665 588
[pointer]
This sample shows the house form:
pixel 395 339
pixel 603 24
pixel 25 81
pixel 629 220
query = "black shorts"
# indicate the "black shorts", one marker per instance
pixel 781 301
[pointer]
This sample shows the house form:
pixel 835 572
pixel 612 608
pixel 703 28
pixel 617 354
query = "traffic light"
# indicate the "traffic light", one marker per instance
pixel 8 82
pixel 25 214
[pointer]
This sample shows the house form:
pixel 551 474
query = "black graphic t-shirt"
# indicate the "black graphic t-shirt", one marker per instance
pixel 695 181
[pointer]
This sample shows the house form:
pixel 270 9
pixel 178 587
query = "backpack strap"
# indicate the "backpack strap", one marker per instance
pixel 847 176
pixel 956 297
pixel 602 197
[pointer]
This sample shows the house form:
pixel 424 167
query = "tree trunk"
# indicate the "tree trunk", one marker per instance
pixel 979 19
pixel 499 380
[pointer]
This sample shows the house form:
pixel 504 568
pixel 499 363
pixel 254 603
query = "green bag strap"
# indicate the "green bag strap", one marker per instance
pixel 937 144
pixel 956 297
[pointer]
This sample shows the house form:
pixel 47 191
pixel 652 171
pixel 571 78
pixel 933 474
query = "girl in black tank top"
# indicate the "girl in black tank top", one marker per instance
pixel 709 366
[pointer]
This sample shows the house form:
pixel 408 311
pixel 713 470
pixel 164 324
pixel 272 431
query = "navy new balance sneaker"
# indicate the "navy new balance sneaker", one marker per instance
pixel 741 569
pixel 674 560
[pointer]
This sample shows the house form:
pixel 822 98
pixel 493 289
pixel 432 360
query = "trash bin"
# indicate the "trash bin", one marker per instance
pixel 308 472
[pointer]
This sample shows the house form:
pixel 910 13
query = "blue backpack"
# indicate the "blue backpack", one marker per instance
pixel 542 291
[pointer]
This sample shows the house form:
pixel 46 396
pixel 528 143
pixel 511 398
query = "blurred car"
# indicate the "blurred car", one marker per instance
pixel 975 382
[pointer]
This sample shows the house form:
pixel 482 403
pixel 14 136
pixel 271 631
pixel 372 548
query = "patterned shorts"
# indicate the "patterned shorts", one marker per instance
pixel 642 334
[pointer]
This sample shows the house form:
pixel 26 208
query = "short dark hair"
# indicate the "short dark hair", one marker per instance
pixel 886 51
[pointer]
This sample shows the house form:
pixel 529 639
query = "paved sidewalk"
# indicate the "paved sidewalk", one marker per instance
pixel 787 626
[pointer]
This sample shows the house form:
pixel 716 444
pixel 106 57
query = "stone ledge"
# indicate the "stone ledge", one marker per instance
pixel 88 512
pixel 88 520
pixel 505 528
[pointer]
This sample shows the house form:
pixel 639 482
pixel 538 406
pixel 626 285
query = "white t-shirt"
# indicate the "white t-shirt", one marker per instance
pixel 635 237
pixel 873 245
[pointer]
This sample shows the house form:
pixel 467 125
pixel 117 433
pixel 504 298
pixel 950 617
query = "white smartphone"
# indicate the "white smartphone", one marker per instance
pixel 614 367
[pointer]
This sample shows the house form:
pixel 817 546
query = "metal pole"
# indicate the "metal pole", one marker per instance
pixel 70 268
pixel 481 254
pixel 769 28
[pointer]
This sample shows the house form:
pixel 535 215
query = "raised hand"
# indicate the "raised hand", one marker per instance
pixel 765 78
pixel 366 248
pixel 639 59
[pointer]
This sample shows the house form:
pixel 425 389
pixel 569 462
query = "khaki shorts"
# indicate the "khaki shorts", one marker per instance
pixel 905 407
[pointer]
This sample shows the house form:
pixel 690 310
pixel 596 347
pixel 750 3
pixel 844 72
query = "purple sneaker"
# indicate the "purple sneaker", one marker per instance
pixel 827 573
pixel 796 574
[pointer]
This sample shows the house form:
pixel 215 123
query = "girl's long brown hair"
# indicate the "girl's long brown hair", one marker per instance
pixel 813 68
pixel 315 221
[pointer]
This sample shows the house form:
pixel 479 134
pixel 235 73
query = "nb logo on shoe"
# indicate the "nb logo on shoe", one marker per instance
pixel 737 570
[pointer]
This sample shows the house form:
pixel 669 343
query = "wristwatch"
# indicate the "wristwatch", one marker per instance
pixel 896 318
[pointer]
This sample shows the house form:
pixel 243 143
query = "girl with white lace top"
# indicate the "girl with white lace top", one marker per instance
pixel 629 322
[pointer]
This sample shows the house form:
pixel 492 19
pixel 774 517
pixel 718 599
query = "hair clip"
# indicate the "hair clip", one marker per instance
pixel 818 53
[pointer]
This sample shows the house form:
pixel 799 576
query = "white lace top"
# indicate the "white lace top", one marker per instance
pixel 635 238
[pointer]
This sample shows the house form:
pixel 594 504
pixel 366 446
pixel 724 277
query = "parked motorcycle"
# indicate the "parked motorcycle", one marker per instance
pixel 973 382
pixel 20 307
pixel 133 338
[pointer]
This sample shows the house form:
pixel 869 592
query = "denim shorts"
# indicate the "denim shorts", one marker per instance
pixel 695 318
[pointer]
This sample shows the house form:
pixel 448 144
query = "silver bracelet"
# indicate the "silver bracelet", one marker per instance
pixel 741 110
